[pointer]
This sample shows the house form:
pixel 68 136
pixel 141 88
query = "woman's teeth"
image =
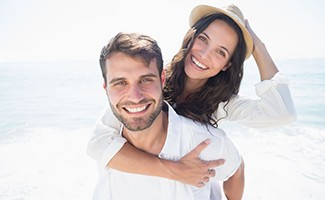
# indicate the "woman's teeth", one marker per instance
pixel 200 65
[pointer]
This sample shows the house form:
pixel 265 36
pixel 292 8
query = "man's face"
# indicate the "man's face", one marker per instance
pixel 134 91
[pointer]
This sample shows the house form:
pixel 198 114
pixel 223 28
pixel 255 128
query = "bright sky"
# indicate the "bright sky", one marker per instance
pixel 48 30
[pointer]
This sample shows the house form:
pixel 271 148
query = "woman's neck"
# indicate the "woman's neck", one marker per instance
pixel 192 85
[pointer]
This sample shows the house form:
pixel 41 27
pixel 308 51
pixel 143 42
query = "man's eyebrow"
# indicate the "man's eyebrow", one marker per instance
pixel 116 80
pixel 150 75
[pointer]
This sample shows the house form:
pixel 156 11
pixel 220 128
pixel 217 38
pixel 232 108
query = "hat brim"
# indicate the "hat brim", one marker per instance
pixel 204 10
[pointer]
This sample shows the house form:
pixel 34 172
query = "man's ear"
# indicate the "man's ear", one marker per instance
pixel 225 68
pixel 104 86
pixel 163 78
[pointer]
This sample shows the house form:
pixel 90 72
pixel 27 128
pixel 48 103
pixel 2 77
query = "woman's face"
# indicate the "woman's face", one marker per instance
pixel 211 51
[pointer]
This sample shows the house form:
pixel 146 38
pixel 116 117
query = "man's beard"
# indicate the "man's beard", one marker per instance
pixel 139 123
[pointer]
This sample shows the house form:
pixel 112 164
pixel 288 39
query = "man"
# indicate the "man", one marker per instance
pixel 132 69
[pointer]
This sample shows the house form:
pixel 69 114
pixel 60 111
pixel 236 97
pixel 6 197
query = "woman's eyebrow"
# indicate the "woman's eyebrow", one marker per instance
pixel 224 48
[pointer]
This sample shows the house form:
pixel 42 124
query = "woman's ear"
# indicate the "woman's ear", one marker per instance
pixel 226 67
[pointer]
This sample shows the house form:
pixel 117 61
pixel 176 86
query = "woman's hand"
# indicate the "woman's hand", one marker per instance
pixel 190 169
pixel 256 40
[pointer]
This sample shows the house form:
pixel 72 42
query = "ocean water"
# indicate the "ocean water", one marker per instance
pixel 47 110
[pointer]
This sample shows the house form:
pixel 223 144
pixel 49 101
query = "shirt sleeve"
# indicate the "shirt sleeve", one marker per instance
pixel 105 140
pixel 273 107
pixel 232 161
pixel 221 147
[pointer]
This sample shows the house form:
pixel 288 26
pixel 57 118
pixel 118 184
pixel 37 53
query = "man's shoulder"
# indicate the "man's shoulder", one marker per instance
pixel 196 126
pixel 191 127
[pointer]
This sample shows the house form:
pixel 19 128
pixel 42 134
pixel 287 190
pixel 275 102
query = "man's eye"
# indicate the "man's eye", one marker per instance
pixel 120 83
pixel 146 80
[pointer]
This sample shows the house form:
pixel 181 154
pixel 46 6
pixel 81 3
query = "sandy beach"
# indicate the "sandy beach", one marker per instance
pixel 46 121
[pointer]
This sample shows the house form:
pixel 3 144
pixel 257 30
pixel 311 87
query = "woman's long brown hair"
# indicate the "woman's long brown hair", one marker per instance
pixel 200 105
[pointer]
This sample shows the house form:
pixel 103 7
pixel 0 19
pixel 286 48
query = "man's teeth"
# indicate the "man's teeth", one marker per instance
pixel 198 63
pixel 137 109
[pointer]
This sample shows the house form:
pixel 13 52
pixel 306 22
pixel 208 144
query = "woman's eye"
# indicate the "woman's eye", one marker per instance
pixel 222 53
pixel 203 39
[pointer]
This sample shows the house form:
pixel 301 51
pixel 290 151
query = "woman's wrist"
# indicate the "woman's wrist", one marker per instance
pixel 169 169
pixel 258 48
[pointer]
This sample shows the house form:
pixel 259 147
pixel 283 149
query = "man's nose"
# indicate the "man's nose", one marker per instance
pixel 135 93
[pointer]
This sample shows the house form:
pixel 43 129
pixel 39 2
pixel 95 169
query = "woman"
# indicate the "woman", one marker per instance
pixel 203 81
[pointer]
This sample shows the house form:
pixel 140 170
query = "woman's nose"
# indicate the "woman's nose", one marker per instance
pixel 204 53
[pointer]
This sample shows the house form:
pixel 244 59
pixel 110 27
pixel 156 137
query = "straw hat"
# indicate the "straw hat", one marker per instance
pixel 231 11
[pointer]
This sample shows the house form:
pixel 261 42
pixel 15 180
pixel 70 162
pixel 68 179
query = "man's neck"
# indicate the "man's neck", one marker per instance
pixel 152 139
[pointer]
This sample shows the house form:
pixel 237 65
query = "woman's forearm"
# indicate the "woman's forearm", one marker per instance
pixel 266 66
pixel 132 160
pixel 190 169
pixel 111 150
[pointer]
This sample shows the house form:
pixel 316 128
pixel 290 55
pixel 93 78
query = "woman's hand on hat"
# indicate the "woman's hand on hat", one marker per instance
pixel 256 40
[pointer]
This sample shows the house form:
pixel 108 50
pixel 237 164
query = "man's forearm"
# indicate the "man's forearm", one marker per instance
pixel 234 186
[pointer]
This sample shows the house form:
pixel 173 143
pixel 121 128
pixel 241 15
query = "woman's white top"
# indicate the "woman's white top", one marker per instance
pixel 274 107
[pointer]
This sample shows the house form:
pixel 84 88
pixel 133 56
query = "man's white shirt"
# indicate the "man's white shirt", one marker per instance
pixel 183 135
